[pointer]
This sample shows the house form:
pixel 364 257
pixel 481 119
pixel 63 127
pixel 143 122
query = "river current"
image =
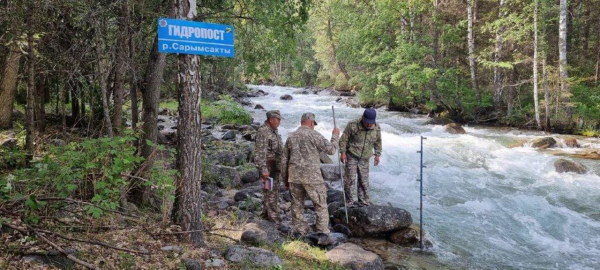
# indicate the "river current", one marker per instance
pixel 487 205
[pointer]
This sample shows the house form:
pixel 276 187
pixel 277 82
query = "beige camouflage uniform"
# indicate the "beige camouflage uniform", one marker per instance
pixel 302 170
pixel 358 143
pixel 267 155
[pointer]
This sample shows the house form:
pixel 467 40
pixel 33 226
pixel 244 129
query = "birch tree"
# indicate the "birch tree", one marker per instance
pixel 471 41
pixel 188 200
pixel 535 65
pixel 562 55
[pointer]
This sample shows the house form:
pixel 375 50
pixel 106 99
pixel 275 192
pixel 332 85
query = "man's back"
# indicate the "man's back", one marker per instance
pixel 301 153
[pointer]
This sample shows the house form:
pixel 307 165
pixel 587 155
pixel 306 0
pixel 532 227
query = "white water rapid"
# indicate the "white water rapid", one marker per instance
pixel 488 206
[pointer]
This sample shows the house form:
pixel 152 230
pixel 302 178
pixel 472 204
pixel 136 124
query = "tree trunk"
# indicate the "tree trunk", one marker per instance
pixel 133 84
pixel 546 95
pixel 341 65
pixel 497 59
pixel 8 86
pixel 102 75
pixel 511 91
pixel 63 105
pixel 535 66
pixel 30 133
pixel 75 101
pixel 188 207
pixel 121 66
pixel 471 41
pixel 562 54
pixel 39 109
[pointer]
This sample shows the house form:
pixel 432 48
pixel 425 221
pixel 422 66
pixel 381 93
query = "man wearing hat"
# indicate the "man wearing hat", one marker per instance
pixel 361 139
pixel 267 155
pixel 301 172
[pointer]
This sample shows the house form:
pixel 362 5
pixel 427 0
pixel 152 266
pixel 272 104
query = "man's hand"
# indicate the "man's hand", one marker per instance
pixel 263 178
pixel 336 131
pixel 376 160
pixel 344 158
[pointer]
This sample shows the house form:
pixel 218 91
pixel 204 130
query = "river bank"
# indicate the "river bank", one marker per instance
pixel 488 190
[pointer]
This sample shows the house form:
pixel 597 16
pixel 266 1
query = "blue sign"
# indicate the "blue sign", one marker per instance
pixel 188 37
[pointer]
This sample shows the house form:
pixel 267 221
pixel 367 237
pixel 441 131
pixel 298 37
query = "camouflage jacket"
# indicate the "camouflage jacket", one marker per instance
pixel 301 161
pixel 359 141
pixel 269 147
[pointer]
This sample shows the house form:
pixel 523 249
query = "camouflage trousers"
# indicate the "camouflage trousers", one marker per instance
pixel 270 205
pixel 357 171
pixel 317 193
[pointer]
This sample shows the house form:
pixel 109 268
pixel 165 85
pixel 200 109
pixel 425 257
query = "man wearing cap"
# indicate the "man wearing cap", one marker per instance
pixel 267 155
pixel 301 172
pixel 361 139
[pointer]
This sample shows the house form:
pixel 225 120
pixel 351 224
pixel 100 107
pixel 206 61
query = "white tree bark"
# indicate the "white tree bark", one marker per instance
pixel 562 55
pixel 497 58
pixel 471 45
pixel 535 65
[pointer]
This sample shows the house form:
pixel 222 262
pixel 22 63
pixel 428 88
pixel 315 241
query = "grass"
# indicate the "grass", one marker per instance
pixel 300 255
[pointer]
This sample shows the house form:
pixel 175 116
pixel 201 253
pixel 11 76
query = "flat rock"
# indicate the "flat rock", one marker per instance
pixel 352 256
pixel 252 255
pixel 215 263
pixel 176 249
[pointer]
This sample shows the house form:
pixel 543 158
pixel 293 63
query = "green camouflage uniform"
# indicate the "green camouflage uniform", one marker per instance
pixel 302 170
pixel 267 155
pixel 358 143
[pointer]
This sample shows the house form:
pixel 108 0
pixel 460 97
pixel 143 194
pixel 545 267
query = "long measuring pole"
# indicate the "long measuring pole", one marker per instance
pixel 421 197
pixel 340 166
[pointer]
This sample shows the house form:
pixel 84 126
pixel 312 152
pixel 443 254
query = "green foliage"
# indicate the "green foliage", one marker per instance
pixel 95 169
pixel 226 111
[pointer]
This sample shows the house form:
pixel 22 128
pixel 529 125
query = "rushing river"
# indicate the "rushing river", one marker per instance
pixel 487 205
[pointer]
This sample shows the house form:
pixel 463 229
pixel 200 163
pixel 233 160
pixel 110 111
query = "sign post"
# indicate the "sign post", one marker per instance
pixel 188 37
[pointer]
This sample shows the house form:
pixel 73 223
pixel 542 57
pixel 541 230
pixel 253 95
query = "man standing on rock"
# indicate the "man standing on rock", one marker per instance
pixel 302 172
pixel 268 149
pixel 361 139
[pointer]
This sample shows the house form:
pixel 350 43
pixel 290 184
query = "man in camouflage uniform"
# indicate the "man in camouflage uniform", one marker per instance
pixel 361 138
pixel 301 172
pixel 267 155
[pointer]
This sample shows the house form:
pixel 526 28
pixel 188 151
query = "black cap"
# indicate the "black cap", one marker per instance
pixel 369 116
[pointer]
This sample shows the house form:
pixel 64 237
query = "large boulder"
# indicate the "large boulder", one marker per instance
pixel 571 142
pixel 254 256
pixel 373 220
pixel 225 176
pixel 543 143
pixel 334 195
pixel 250 176
pixel 562 165
pixel 286 97
pixel 260 232
pixel 330 172
pixel 454 128
pixel 230 135
pixel 410 235
pixel 352 256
